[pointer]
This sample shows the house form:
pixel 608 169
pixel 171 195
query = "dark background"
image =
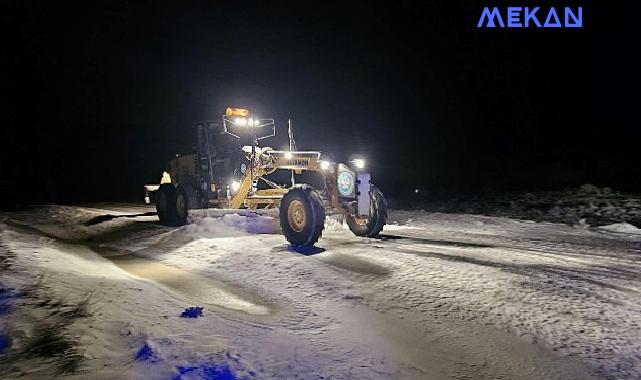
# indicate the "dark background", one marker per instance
pixel 98 97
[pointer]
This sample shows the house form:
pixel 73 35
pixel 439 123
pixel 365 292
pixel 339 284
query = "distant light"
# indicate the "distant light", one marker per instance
pixel 324 165
pixel 288 155
pixel 235 186
pixel 416 191
pixel 240 121
pixel 359 163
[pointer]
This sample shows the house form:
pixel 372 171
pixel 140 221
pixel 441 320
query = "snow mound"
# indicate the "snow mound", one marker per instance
pixel 232 225
pixel 595 206
pixel 624 228
pixel 333 224
pixel 252 223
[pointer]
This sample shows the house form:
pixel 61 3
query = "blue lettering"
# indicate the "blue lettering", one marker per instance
pixel 514 17
pixel 490 16
pixel 551 14
pixel 577 22
pixel 531 16
pixel 519 17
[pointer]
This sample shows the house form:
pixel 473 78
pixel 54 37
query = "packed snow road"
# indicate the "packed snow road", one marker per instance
pixel 104 291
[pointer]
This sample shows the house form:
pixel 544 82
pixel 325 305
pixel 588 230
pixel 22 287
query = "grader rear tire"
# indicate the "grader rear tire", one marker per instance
pixel 374 223
pixel 166 204
pixel 302 216
pixel 186 199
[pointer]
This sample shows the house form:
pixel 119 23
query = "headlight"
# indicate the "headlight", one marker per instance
pixel 240 121
pixel 359 163
pixel 235 186
pixel 324 165
pixel 236 112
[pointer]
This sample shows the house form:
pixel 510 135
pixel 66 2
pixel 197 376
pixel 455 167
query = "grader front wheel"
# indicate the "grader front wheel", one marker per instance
pixel 302 216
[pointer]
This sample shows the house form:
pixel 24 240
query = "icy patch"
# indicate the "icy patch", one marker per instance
pixel 191 285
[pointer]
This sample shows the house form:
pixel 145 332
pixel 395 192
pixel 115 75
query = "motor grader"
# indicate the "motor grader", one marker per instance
pixel 223 173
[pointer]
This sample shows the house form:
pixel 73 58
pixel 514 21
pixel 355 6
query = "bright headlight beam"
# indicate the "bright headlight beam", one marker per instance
pixel 359 163
pixel 235 186
pixel 324 165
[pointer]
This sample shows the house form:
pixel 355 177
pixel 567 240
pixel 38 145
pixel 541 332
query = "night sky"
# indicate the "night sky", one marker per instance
pixel 100 95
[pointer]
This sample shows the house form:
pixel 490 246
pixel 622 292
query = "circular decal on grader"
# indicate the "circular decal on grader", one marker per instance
pixel 346 183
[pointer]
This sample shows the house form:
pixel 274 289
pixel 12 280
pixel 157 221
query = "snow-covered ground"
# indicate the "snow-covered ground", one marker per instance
pixel 103 291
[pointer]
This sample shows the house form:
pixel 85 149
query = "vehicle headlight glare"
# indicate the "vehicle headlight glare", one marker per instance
pixel 235 186
pixel 324 165
pixel 359 163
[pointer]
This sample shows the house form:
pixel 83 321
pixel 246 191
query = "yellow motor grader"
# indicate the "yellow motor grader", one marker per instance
pixel 222 173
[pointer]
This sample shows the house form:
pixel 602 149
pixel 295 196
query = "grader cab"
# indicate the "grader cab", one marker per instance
pixel 223 173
